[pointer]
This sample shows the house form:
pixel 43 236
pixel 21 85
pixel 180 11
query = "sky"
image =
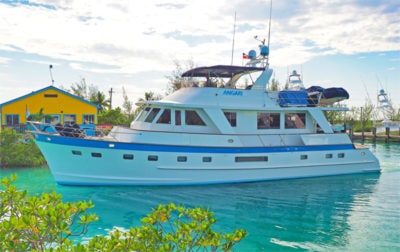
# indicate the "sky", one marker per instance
pixel 133 45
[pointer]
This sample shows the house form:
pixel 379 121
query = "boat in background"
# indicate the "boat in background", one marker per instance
pixel 383 113
pixel 317 95
pixel 224 126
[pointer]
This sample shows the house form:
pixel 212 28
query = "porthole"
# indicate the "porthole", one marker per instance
pixel 76 152
pixel 340 155
pixel 181 158
pixel 152 158
pixel 96 154
pixel 128 156
pixel 329 155
pixel 207 159
pixel 303 157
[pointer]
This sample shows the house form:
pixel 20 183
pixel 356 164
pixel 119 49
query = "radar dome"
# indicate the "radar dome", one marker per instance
pixel 252 54
pixel 264 50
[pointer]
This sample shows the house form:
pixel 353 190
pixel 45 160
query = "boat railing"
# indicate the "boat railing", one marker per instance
pixel 66 129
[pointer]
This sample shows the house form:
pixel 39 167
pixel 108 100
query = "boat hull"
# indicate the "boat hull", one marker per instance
pixel 75 161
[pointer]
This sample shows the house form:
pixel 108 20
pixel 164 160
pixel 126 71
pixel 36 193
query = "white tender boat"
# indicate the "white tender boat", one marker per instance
pixel 210 132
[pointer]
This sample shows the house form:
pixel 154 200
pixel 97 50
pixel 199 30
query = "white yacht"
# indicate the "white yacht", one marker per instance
pixel 211 131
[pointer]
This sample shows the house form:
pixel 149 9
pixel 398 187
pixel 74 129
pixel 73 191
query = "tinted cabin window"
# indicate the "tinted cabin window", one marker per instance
pixel 143 114
pixel 295 120
pixel 177 117
pixel 152 115
pixel 192 118
pixel 231 117
pixel 165 117
pixel 268 120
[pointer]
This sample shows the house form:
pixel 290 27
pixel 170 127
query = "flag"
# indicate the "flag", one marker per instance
pixel 27 113
pixel 245 56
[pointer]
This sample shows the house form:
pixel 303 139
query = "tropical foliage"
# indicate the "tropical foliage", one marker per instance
pixel 17 150
pixel 46 223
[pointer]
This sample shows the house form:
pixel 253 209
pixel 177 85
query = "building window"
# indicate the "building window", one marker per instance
pixel 53 119
pixel 268 120
pixel 231 117
pixel 12 120
pixel 295 120
pixel 88 119
pixel 165 117
pixel 69 118
pixel 50 95
pixel 192 118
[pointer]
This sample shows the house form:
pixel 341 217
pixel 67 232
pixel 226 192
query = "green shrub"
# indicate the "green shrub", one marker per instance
pixel 45 223
pixel 19 150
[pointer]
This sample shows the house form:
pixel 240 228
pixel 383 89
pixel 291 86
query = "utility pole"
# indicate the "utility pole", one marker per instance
pixel 111 92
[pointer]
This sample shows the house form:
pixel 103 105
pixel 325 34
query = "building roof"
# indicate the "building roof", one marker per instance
pixel 45 89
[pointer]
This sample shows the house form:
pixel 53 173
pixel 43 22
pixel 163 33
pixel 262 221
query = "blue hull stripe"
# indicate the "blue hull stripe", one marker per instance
pixel 88 143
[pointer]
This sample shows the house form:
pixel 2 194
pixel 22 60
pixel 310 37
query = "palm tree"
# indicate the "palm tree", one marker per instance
pixel 99 98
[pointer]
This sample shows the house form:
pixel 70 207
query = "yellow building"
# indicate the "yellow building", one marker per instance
pixel 57 105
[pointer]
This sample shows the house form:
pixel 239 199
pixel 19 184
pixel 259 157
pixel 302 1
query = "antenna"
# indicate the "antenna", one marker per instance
pixel 51 75
pixel 269 26
pixel 233 40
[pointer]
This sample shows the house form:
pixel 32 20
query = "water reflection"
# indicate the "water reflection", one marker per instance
pixel 305 213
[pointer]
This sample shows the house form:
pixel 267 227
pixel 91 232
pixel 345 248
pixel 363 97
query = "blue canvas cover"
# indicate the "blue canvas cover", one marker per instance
pixel 293 98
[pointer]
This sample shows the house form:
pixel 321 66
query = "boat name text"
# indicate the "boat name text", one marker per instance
pixel 233 93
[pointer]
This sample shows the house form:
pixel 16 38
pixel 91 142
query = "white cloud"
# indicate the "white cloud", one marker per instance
pixel 136 37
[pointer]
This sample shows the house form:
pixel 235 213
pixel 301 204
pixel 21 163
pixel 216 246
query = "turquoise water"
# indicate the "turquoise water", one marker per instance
pixel 340 213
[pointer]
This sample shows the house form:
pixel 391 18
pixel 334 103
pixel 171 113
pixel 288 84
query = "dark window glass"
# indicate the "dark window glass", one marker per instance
pixel 268 120
pixel 177 117
pixel 75 152
pixel 295 120
pixel 251 159
pixel 152 158
pixel 165 117
pixel 182 159
pixel 152 115
pixel 231 117
pixel 96 154
pixel 88 119
pixel 207 159
pixel 128 156
pixel 12 120
pixel 192 118
pixel 50 95
pixel 143 114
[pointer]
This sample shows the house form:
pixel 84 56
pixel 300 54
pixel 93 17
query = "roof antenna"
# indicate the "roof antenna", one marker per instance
pixel 269 26
pixel 233 40
pixel 51 75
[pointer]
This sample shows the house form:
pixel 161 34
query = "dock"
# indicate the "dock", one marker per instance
pixel 388 136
